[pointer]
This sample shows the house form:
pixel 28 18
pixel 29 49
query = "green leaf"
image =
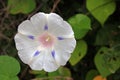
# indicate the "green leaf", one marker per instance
pixel 102 37
pixel 62 72
pixel 21 6
pixel 101 9
pixel 79 52
pixel 9 68
pixel 100 62
pixel 108 35
pixel 55 73
pixel 107 61
pixel 81 24
pixel 114 58
pixel 3 77
pixel 14 78
pixel 38 74
pixel 91 74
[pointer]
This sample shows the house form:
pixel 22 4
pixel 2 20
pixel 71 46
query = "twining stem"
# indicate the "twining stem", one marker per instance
pixel 55 5
pixel 24 72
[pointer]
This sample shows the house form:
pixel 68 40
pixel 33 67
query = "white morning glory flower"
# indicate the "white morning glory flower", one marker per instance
pixel 45 41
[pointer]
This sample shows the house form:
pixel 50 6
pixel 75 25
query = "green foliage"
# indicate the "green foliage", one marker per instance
pixel 61 74
pixel 21 6
pixel 108 35
pixel 91 74
pixel 62 71
pixel 101 9
pixel 81 24
pixel 54 74
pixel 100 62
pixel 9 68
pixel 107 61
pixel 37 72
pixel 79 52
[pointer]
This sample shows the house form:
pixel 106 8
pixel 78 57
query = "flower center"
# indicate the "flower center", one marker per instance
pixel 47 40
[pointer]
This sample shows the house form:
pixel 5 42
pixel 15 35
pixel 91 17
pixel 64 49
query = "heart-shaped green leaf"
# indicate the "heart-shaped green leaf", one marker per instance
pixel 81 24
pixel 91 74
pixel 107 61
pixel 61 72
pixel 100 62
pixel 9 68
pixel 21 6
pixel 79 52
pixel 101 9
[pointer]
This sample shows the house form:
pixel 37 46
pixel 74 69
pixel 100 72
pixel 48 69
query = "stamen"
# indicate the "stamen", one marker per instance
pixel 48 38
pixel 31 37
pixel 37 53
pixel 60 38
pixel 53 54
pixel 45 27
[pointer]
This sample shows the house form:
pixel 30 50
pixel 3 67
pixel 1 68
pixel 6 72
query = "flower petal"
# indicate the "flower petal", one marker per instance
pixel 23 42
pixel 27 28
pixel 62 57
pixel 58 26
pixel 26 55
pixel 49 62
pixel 63 49
pixel 37 62
pixel 39 21
pixel 68 44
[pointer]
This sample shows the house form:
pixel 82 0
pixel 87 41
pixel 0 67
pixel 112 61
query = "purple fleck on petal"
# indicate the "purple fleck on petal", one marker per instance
pixel 31 37
pixel 36 53
pixel 60 38
pixel 53 54
pixel 45 27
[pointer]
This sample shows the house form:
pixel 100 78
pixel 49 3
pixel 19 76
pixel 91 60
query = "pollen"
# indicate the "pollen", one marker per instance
pixel 47 39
